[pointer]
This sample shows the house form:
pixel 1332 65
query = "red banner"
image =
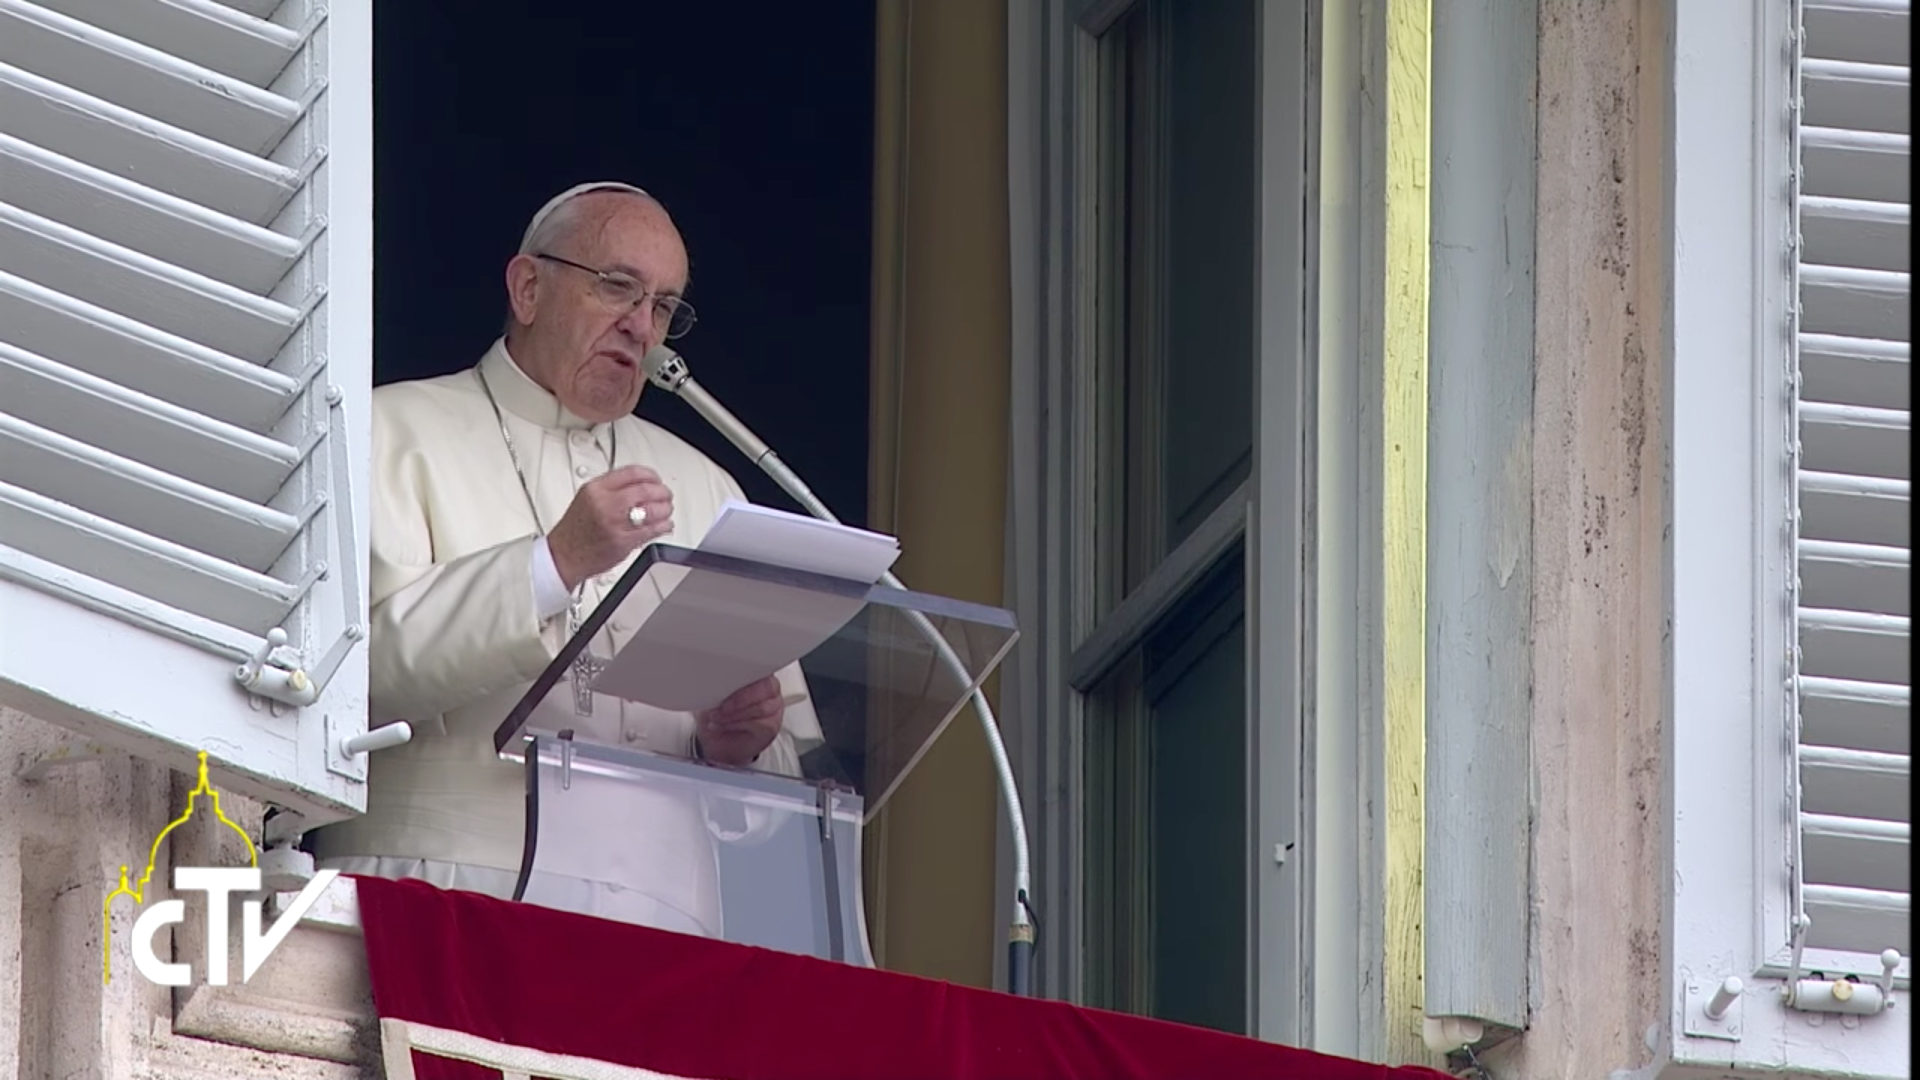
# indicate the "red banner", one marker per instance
pixel 472 987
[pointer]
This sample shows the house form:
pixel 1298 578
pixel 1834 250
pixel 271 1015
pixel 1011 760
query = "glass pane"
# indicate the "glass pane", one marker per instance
pixel 880 671
pixel 1167 834
pixel 1182 94
pixel 729 854
pixel 1196 699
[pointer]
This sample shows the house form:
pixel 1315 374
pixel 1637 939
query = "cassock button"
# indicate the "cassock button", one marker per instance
pixel 630 735
pixel 581 471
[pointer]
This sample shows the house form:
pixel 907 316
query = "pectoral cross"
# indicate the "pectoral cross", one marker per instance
pixel 586 668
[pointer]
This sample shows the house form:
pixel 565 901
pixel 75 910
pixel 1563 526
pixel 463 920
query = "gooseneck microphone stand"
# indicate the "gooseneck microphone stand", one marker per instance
pixel 666 369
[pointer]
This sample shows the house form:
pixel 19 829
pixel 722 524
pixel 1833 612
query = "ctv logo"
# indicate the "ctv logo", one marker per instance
pixel 219 883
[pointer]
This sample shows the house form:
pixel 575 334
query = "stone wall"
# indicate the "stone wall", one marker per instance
pixel 1600 503
pixel 64 835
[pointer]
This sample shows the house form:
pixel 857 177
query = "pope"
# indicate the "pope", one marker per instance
pixel 507 499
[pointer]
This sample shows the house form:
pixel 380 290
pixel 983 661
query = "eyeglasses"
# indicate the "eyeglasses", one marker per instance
pixel 620 292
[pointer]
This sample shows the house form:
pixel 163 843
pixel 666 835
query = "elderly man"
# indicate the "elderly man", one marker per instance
pixel 508 498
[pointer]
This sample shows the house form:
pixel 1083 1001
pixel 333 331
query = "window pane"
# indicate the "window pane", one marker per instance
pixel 1182 95
pixel 1167 856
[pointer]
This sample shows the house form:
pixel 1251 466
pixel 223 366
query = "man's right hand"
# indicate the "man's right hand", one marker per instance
pixel 596 533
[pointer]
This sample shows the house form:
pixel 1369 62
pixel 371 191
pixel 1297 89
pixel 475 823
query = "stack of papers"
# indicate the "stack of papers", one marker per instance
pixel 706 634
pixel 797 542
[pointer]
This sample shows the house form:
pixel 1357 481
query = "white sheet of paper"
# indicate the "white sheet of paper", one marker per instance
pixel 780 538
pixel 703 635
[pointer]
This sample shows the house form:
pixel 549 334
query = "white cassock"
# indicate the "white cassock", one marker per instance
pixel 457 637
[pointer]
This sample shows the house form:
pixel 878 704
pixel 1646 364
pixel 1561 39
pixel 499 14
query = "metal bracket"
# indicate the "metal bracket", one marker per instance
pixel 342 645
pixel 1714 1011
pixel 345 750
pixel 339 762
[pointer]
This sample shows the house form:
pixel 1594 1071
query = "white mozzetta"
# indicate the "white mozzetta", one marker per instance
pixel 185 377
pixel 1791 419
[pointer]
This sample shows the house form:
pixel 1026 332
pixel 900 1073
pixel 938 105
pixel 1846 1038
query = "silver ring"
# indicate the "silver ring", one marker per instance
pixel 637 516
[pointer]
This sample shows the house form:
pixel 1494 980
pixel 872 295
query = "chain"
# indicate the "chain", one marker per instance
pixel 533 508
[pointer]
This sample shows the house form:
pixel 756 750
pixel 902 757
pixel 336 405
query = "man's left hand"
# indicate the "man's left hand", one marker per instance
pixel 735 731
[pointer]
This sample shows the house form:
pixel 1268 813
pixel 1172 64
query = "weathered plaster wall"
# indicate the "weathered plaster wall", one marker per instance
pixel 1600 480
pixel 63 839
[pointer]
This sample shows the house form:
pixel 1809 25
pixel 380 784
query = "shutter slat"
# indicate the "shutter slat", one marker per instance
pixel 1854 713
pixel 152 222
pixel 1854 370
pixel 1848 164
pixel 143 288
pixel 156 84
pixel 1854 232
pixel 127 422
pixel 1832 483
pixel 1853 828
pixel 212 35
pixel 142 497
pixel 1870 303
pixel 259 9
pixel 167 366
pixel 1872 31
pixel 1849 784
pixel 1864 645
pixel 120 141
pixel 170 573
pixel 1859 920
pixel 1855 439
pixel 1859 577
pixel 1843 93
pixel 1865 211
pixel 1854 509
pixel 1852 559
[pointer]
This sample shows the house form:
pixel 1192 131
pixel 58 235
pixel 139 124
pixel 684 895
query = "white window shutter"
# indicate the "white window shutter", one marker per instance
pixel 185 377
pixel 1852 607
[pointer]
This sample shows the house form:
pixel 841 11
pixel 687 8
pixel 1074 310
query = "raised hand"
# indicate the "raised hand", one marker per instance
pixel 598 529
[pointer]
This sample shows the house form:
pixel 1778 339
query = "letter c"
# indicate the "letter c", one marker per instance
pixel 144 959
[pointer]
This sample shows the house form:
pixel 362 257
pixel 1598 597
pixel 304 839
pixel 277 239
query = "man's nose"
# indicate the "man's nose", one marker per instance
pixel 638 324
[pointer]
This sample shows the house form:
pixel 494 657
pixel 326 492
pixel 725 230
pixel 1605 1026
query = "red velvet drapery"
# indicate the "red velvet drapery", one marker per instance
pixel 689 1007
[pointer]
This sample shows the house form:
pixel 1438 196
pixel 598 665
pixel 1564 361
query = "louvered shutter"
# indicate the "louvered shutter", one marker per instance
pixel 185 370
pixel 1852 534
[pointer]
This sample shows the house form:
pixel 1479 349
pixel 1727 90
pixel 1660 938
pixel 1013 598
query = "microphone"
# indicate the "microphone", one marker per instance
pixel 667 370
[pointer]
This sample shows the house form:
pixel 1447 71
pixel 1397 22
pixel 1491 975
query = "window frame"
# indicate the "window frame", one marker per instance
pixel 1055 97
pixel 1730 729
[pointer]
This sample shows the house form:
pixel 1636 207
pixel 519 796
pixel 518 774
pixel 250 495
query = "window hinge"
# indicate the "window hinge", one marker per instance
pixel 1847 996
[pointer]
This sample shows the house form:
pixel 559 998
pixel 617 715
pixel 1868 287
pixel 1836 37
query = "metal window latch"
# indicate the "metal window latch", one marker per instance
pixel 279 674
pixel 1846 996
pixel 275 672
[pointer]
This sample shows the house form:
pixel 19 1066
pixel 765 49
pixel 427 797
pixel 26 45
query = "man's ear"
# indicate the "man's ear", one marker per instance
pixel 523 276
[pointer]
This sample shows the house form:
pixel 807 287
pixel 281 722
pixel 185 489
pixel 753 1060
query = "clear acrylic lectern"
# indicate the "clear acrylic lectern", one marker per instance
pixel 647 834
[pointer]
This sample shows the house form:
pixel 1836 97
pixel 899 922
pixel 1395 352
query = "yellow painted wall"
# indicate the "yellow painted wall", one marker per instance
pixel 941 341
pixel 1404 416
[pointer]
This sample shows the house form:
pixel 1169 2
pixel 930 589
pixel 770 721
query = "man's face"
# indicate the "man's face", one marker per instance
pixel 579 342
